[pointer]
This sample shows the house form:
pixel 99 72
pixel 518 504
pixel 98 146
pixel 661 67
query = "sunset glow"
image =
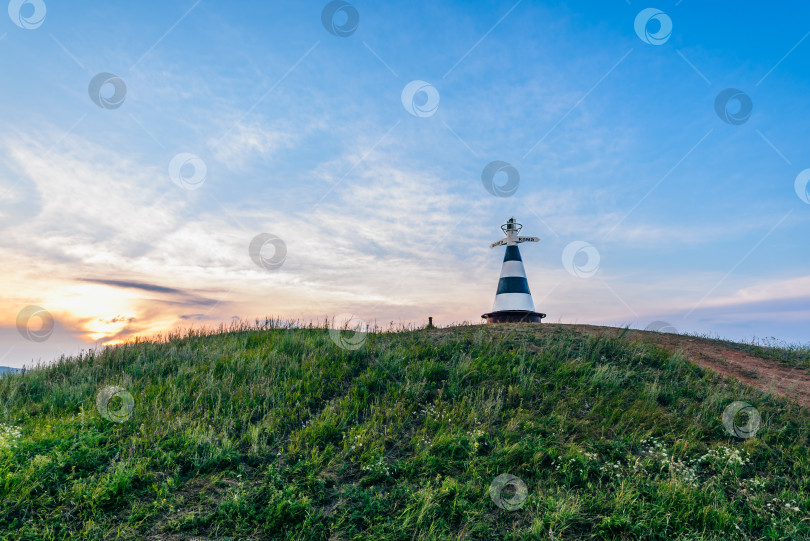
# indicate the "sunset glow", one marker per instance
pixel 137 172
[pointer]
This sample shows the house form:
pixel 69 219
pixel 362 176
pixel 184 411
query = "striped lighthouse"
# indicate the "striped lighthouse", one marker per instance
pixel 513 300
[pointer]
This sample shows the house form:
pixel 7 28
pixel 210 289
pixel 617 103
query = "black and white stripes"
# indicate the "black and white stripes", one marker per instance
pixel 513 288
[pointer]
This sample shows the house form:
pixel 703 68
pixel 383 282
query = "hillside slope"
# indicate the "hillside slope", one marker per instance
pixel 284 434
pixel 784 371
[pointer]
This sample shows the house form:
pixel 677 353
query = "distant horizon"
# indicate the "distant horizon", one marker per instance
pixel 175 164
pixel 295 324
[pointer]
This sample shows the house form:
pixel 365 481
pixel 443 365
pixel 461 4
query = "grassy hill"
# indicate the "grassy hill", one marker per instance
pixel 272 433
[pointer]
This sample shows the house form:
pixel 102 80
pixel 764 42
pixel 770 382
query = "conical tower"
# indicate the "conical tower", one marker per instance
pixel 513 300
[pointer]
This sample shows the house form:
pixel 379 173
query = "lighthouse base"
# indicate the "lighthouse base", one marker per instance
pixel 514 316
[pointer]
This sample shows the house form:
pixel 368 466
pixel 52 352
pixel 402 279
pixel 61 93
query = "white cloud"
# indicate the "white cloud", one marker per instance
pixel 245 142
pixel 390 242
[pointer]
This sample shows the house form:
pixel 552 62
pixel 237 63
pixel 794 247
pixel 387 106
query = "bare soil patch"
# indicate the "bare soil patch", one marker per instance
pixel 763 374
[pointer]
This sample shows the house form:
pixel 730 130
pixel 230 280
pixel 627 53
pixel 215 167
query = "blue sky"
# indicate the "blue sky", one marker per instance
pixel 302 134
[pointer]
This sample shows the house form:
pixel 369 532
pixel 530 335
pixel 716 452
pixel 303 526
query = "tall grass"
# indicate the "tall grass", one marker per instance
pixel 790 354
pixel 272 431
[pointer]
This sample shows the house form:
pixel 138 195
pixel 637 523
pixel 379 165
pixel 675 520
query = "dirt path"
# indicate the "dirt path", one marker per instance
pixel 763 374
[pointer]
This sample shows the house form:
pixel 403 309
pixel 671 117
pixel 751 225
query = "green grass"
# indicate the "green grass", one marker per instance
pixel 792 355
pixel 272 433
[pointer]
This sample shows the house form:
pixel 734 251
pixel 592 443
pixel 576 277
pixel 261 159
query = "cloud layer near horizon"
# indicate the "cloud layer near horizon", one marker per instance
pixel 384 214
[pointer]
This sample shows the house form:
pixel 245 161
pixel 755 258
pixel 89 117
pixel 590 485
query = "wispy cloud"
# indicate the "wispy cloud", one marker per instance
pixel 383 213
